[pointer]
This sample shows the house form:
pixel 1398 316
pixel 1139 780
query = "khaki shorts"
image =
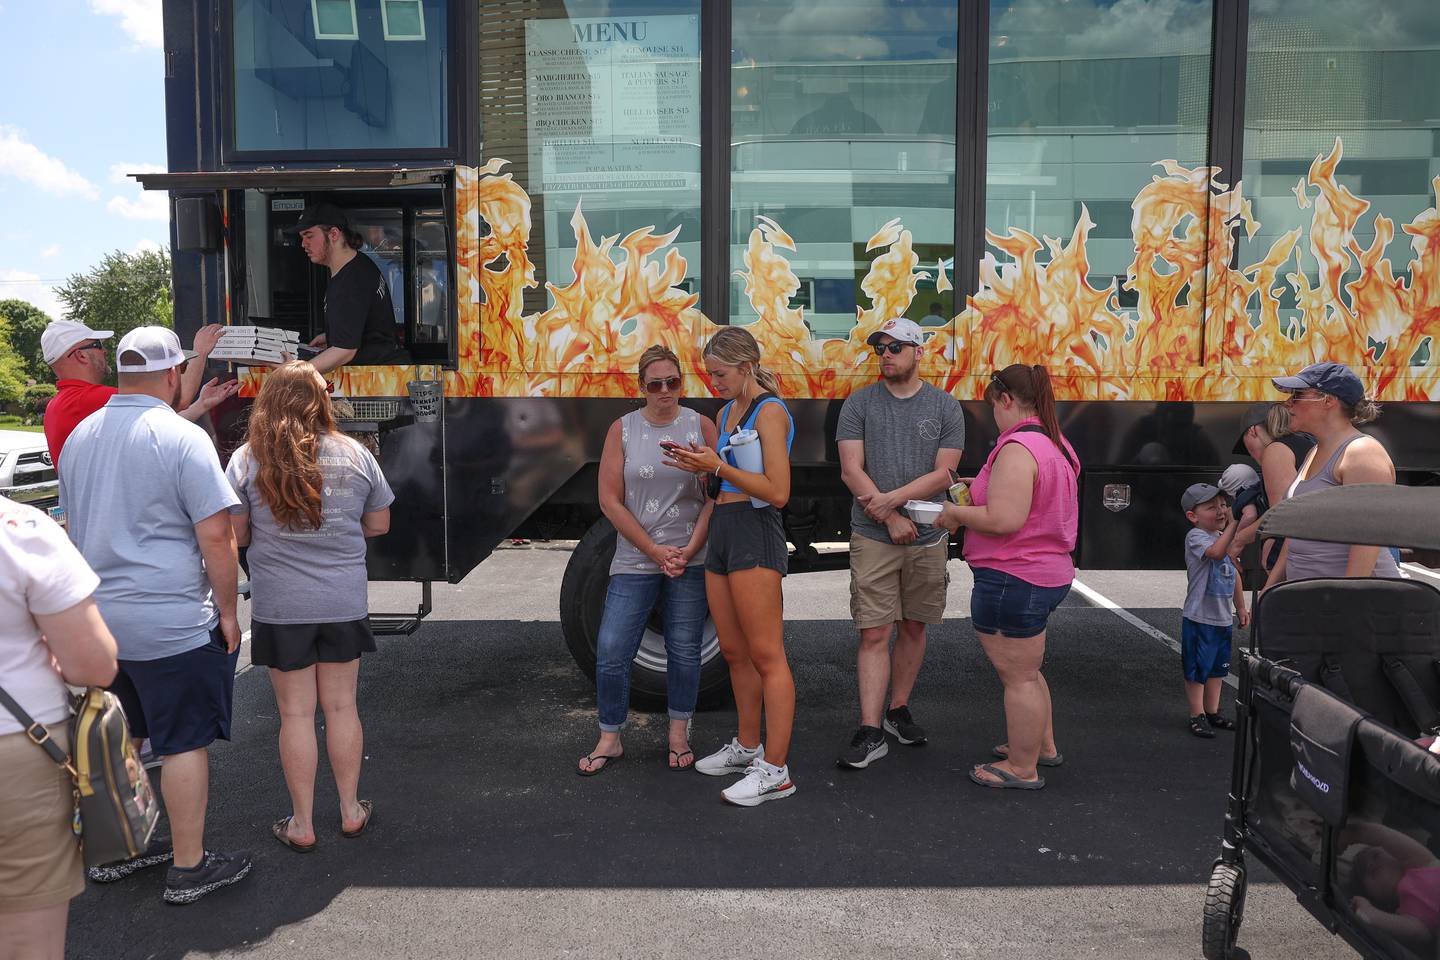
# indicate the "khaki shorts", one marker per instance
pixel 40 863
pixel 890 583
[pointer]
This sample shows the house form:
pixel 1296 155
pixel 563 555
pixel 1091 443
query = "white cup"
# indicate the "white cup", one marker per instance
pixel 745 445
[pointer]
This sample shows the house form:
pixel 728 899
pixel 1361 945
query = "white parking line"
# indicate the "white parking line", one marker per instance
pixel 244 663
pixel 1422 571
pixel 1100 600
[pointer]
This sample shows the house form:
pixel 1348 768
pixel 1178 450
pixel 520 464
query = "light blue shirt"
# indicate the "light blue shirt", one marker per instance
pixel 137 479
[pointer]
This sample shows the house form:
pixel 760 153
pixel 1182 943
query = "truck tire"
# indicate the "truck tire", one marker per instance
pixel 582 604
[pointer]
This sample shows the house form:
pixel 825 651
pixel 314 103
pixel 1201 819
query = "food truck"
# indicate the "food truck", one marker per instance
pixel 1163 204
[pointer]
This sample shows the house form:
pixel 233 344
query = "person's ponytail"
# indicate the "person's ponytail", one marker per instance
pixel 1044 403
pixel 766 379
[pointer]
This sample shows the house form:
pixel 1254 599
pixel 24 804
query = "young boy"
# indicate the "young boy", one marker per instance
pixel 1214 597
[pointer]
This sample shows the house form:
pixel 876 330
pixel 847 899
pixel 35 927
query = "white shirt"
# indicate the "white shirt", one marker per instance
pixel 40 572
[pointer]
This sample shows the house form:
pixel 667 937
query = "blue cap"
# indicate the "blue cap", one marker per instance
pixel 1335 379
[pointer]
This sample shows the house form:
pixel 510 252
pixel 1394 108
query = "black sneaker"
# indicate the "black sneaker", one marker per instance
pixel 1219 721
pixel 867 746
pixel 120 869
pixel 214 871
pixel 1201 727
pixel 900 725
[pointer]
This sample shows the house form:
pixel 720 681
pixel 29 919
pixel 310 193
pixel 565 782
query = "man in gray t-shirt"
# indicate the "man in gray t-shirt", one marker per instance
pixel 899 440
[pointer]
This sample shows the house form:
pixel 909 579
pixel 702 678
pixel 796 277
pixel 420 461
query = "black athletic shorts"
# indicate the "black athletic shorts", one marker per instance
pixel 181 703
pixel 743 536
pixel 295 646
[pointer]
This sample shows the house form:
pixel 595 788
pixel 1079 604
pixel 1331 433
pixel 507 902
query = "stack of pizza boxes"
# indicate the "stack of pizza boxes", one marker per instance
pixel 241 344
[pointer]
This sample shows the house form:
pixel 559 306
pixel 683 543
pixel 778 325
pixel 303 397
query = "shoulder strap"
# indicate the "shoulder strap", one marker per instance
pixel 1036 428
pixel 35 731
pixel 753 411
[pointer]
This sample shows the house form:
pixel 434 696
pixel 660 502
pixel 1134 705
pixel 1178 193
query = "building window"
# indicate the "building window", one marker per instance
pixel 596 104
pixel 1342 146
pixel 334 19
pixel 842 120
pixel 403 19
pixel 323 77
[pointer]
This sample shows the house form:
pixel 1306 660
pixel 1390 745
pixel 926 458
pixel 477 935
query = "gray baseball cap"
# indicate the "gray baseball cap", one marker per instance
pixel 1196 494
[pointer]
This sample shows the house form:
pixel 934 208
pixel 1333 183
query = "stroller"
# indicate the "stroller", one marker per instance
pixel 1332 785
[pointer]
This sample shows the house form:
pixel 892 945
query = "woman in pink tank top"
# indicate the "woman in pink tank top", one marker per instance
pixel 1020 532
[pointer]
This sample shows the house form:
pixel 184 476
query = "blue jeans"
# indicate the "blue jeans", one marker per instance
pixel 628 603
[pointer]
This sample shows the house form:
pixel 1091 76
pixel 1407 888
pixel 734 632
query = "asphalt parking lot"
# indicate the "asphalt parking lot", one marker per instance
pixel 486 844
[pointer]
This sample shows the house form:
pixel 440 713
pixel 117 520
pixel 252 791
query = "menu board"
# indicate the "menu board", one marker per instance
pixel 613 103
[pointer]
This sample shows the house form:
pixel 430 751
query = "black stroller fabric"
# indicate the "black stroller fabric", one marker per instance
pixel 1373 643
pixel 1322 732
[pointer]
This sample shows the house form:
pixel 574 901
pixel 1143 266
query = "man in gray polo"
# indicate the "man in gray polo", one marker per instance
pixel 148 508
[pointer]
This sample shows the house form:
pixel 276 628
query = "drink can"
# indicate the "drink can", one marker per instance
pixel 960 493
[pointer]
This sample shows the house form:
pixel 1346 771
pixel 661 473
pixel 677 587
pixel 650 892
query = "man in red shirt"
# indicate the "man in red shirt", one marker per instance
pixel 77 355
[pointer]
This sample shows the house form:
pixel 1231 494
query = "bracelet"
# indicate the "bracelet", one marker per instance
pixel 717 468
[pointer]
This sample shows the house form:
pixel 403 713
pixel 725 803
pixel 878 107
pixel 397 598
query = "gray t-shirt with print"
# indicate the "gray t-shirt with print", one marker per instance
pixel 666 500
pixel 1210 594
pixel 300 575
pixel 902 438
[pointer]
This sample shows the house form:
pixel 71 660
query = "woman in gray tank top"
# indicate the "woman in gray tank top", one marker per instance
pixel 662 517
pixel 1328 401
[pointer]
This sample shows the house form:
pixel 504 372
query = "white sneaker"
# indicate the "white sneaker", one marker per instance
pixel 730 759
pixel 763 781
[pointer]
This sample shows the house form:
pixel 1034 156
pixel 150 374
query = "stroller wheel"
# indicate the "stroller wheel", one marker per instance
pixel 1224 909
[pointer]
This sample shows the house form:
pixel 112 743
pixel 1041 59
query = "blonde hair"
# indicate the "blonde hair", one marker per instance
pixel 1366 411
pixel 1277 421
pixel 654 354
pixel 735 346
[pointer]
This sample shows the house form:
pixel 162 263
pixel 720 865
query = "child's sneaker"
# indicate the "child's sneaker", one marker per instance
pixel 730 759
pixel 763 781
pixel 1200 726
pixel 1219 721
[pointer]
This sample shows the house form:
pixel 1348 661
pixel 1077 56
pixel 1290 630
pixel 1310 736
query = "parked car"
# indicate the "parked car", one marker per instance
pixel 26 473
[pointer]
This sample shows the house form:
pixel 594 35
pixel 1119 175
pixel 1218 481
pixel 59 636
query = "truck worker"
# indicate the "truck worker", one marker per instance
pixel 359 317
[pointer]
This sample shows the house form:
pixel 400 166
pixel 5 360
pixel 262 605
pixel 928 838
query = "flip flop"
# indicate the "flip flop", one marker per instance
pixel 678 755
pixel 610 760
pixel 280 830
pixel 369 808
pixel 1007 781
pixel 1003 752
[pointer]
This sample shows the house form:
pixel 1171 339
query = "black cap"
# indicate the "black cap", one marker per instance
pixel 1335 379
pixel 1255 416
pixel 322 215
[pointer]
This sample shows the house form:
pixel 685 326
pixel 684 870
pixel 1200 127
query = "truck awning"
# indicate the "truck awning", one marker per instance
pixel 295 179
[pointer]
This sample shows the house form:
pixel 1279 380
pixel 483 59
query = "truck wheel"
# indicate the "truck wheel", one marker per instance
pixel 1224 910
pixel 582 604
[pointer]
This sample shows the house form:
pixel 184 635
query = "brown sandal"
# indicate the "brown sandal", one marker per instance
pixel 281 830
pixel 369 809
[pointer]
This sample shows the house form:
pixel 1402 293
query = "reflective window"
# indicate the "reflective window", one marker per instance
pixel 596 104
pixel 843 119
pixel 340 75
pixel 1085 98
pixel 1342 143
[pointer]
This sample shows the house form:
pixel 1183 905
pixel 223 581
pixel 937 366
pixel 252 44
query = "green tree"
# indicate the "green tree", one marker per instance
pixel 126 290
pixel 27 322
pixel 13 379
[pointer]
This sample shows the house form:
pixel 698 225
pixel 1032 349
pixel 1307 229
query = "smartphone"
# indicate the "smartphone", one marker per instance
pixel 668 445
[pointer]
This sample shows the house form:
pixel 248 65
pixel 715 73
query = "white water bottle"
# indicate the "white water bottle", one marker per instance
pixel 745 444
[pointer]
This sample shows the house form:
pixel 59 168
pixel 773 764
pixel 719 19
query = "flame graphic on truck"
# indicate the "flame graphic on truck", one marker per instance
pixel 1201 329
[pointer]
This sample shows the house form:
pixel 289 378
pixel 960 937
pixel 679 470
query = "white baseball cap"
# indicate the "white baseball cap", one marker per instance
pixel 62 336
pixel 901 328
pixel 1237 477
pixel 158 345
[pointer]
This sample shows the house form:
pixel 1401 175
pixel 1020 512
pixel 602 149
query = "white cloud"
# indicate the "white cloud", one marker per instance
pixel 152 205
pixel 21 159
pixel 19 285
pixel 51 251
pixel 146 246
pixel 140 19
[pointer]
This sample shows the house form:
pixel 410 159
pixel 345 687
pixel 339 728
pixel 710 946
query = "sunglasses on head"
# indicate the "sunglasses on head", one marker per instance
pixel 894 346
pixel 995 379
pixel 668 383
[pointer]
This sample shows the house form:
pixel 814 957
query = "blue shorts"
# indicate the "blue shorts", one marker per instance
pixel 181 703
pixel 1204 650
pixel 1003 604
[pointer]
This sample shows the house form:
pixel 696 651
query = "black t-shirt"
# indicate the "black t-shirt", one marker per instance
pixel 359 315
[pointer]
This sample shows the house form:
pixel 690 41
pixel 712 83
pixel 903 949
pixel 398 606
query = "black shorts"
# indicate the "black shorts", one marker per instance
pixel 743 536
pixel 295 646
pixel 181 703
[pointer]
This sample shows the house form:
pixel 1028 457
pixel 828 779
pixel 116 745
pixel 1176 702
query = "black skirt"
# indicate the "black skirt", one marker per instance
pixel 295 646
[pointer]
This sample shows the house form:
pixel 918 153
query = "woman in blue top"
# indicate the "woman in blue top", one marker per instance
pixel 746 558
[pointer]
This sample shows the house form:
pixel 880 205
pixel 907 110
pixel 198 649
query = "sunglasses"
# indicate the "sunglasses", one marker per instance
pixel 995 379
pixel 1302 397
pixel 93 345
pixel 894 346
pixel 668 383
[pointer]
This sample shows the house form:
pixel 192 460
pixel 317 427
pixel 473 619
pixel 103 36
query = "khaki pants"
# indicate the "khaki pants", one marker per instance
pixel 40 864
pixel 890 582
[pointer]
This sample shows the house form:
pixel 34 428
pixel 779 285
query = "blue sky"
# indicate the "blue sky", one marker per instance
pixel 84 104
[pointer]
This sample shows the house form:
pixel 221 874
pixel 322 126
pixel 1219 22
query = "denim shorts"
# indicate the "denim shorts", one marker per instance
pixel 1003 604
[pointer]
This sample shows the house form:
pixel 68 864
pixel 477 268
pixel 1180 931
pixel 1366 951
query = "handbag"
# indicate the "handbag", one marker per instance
pixel 712 489
pixel 115 808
